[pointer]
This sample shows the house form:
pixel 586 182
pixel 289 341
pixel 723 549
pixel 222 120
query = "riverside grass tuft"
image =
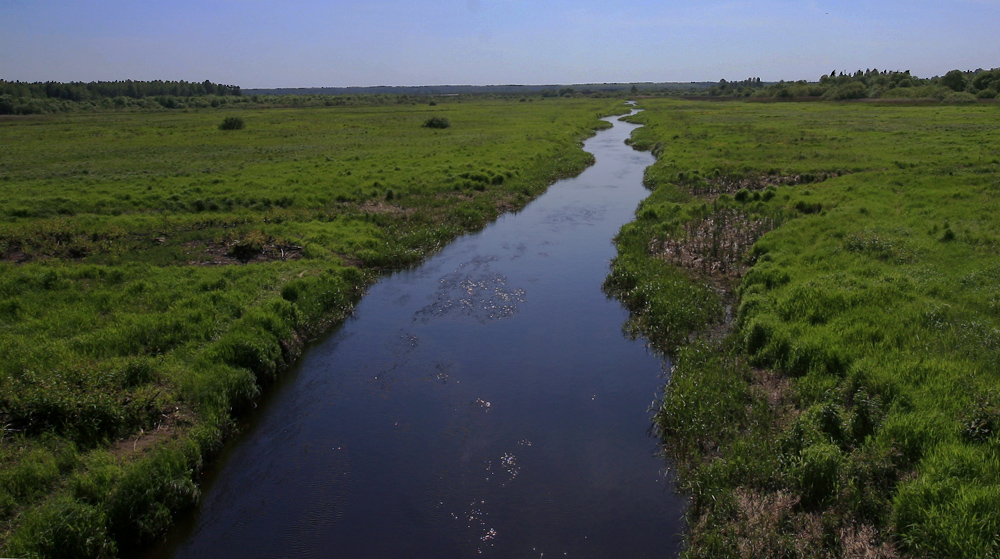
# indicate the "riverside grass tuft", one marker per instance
pixel 156 274
pixel 836 381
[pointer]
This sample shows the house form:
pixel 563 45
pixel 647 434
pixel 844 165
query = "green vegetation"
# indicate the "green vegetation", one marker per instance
pixel 79 91
pixel 955 86
pixel 232 123
pixel 156 273
pixel 437 122
pixel 21 98
pixel 838 265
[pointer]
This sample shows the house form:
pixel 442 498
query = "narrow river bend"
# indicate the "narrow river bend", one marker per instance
pixel 485 403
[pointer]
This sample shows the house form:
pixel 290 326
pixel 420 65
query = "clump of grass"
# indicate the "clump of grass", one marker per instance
pixel 64 528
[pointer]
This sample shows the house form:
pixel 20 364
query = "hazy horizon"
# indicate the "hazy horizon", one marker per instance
pixel 262 44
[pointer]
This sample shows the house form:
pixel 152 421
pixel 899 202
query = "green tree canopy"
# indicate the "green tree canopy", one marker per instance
pixel 954 80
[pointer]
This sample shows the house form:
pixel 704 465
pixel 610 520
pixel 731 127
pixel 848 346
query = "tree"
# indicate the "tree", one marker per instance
pixel 954 80
pixel 987 80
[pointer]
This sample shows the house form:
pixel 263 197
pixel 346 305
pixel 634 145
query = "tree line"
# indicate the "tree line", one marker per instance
pixel 26 98
pixel 80 91
pixel 23 98
pixel 954 86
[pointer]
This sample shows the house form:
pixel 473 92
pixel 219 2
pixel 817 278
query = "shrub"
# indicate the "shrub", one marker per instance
pixel 959 97
pixel 232 123
pixel 248 247
pixel 437 122
pixel 853 90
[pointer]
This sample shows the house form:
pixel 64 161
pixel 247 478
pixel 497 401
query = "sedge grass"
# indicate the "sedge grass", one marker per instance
pixel 853 404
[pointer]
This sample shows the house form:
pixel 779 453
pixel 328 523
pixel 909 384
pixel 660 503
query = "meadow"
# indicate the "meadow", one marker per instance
pixel 157 272
pixel 826 276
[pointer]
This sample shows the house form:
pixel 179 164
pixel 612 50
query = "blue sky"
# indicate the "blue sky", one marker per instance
pixel 312 43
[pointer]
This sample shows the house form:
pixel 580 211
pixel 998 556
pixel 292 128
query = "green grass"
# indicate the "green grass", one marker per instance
pixel 853 404
pixel 157 272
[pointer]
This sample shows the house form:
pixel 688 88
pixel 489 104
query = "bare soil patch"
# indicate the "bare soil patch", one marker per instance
pixel 172 422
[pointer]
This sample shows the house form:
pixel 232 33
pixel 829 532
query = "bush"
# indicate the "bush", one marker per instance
pixel 437 122
pixel 959 97
pixel 232 123
pixel 853 90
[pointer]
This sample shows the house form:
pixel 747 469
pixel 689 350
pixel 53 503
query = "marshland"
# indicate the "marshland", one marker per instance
pixel 158 272
pixel 819 277
pixel 825 276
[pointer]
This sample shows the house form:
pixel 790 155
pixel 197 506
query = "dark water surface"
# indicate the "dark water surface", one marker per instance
pixel 485 403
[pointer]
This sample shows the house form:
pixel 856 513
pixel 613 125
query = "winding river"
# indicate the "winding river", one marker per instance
pixel 485 403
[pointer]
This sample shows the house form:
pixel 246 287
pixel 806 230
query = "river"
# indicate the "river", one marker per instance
pixel 485 403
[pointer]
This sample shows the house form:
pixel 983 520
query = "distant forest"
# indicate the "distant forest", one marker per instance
pixel 956 86
pixel 554 90
pixel 21 98
pixel 79 91
pixel 43 97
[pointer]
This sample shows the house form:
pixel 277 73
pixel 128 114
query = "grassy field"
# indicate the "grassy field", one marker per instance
pixel 838 263
pixel 156 272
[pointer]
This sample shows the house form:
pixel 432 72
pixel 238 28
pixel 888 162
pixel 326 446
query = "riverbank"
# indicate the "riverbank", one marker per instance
pixel 156 273
pixel 837 265
pixel 483 403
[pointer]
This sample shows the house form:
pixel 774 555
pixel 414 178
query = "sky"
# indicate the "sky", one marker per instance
pixel 314 43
